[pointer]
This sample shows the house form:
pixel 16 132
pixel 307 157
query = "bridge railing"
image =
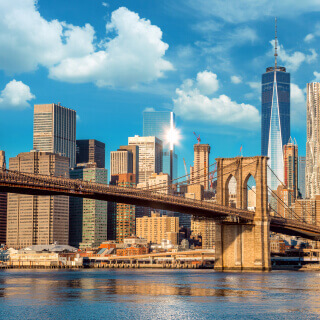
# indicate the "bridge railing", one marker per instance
pixel 77 186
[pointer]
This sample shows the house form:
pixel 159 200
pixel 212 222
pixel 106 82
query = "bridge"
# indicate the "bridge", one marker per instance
pixel 242 236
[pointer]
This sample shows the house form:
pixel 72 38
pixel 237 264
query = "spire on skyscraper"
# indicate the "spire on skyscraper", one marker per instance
pixel 275 46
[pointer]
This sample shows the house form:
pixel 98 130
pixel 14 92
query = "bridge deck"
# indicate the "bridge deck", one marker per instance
pixel 34 184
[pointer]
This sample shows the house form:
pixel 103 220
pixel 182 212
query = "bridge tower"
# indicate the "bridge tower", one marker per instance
pixel 241 245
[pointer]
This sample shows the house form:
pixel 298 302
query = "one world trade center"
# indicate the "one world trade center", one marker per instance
pixel 275 119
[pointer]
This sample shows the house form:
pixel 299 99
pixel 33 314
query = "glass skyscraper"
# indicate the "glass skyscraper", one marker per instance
pixel 158 123
pixel 275 119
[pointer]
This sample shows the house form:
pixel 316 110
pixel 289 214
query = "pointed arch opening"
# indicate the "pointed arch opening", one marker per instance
pixel 231 192
pixel 249 199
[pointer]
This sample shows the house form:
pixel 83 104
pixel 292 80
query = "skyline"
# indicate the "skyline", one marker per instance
pixel 197 64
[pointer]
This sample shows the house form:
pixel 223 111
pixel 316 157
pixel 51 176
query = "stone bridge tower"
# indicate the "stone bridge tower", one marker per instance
pixel 242 245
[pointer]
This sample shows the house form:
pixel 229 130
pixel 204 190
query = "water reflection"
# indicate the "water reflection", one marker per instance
pixel 280 293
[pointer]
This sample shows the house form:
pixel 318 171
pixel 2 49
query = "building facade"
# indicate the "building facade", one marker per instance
pixel 91 151
pixel 200 170
pixel 158 124
pixel 33 220
pixel 157 227
pixel 3 204
pixel 150 155
pixel 54 130
pixel 302 176
pixel 125 217
pixel 205 228
pixel 88 217
pixel 291 174
pixel 313 140
pixel 275 118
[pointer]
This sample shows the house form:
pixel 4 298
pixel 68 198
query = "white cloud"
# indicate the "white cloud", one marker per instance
pixel 193 104
pixel 293 61
pixel 236 79
pixel 309 37
pixel 235 11
pixel 207 82
pixel 298 105
pixel 317 77
pixel 134 55
pixel 149 109
pixel 105 4
pixel 27 40
pixel 15 95
pixel 131 53
pixel 255 85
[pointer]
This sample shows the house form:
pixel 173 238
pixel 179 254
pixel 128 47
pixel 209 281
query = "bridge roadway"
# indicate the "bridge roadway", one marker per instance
pixel 36 184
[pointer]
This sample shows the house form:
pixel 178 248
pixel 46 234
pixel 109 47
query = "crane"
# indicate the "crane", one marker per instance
pixel 198 137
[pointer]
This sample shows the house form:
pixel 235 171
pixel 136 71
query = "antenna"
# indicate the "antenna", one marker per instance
pixel 275 46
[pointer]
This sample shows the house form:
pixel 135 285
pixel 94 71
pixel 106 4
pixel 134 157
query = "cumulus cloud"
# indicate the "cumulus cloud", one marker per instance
pixel 316 76
pixel 236 79
pixel 131 52
pixel 15 95
pixel 207 82
pixel 105 4
pixel 298 105
pixel 27 40
pixel 309 37
pixel 193 103
pixel 235 11
pixel 316 33
pixel 133 56
pixel 294 60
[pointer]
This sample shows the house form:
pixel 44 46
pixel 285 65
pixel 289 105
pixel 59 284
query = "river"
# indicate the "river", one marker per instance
pixel 157 294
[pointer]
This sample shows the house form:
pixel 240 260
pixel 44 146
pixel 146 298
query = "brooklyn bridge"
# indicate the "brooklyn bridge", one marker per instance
pixel 242 236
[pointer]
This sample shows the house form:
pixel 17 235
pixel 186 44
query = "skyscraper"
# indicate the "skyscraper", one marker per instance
pixel 290 152
pixel 150 155
pixel 88 217
pixel 91 151
pixel 302 176
pixel 54 130
pixel 200 170
pixel 125 217
pixel 3 204
pixel 313 140
pixel 275 118
pixel 33 220
pixel 125 160
pixel 158 124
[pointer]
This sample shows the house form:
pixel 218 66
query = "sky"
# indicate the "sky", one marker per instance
pixel 111 60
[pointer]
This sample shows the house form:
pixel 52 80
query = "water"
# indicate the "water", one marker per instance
pixel 158 294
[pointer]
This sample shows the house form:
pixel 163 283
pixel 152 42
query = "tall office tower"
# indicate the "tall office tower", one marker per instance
pixel 275 118
pixel 158 124
pixel 54 130
pixel 150 155
pixel 88 217
pixel 290 153
pixel 3 204
pixel 313 140
pixel 200 170
pixel 125 213
pixel 33 220
pixel 302 176
pixel 135 159
pixel 157 228
pixel 91 151
pixel 121 162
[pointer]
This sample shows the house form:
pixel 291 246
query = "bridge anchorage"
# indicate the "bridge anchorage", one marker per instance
pixel 242 236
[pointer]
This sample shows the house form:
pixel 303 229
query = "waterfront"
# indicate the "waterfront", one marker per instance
pixel 158 294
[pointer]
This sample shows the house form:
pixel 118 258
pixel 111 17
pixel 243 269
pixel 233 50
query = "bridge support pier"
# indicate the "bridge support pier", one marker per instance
pixel 243 246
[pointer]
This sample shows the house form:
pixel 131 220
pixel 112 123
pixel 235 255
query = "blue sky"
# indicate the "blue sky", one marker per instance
pixel 110 60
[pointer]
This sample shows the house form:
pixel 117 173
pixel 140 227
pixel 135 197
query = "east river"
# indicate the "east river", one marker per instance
pixel 158 294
